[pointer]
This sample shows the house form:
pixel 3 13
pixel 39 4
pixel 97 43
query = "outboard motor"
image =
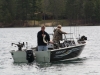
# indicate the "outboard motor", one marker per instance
pixel 83 38
pixel 29 56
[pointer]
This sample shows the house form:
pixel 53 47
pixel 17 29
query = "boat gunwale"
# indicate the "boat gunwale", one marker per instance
pixel 67 47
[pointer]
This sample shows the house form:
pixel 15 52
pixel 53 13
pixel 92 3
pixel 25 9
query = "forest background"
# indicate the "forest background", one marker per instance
pixel 30 13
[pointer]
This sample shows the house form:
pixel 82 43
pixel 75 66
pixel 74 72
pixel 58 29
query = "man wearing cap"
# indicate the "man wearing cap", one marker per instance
pixel 58 34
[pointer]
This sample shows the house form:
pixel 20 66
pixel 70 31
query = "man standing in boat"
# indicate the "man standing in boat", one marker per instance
pixel 42 39
pixel 58 35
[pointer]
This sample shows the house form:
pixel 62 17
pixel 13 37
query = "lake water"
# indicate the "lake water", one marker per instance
pixel 88 62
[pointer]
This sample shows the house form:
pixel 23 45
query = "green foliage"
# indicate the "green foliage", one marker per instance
pixel 6 11
pixel 88 10
pixel 97 11
pixel 11 10
pixel 22 10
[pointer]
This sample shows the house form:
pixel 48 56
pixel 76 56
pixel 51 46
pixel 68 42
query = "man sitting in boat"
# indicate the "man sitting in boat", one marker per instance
pixel 58 35
pixel 42 39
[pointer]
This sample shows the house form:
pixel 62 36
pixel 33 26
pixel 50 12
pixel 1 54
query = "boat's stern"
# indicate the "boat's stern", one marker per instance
pixel 24 56
pixel 19 56
pixel 43 56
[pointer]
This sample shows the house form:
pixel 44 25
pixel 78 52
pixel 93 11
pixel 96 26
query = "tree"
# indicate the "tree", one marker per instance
pixel 89 10
pixel 6 11
pixel 97 11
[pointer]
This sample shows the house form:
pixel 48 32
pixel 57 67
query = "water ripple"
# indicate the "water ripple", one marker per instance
pixel 87 64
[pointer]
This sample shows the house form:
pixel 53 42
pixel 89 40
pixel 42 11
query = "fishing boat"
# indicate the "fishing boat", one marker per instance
pixel 70 48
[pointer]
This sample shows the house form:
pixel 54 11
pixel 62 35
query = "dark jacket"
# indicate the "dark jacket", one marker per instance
pixel 40 38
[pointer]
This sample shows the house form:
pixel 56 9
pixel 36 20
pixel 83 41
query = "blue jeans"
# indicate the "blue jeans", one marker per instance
pixel 42 48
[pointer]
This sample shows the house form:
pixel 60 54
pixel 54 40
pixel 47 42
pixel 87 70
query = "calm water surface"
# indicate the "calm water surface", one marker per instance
pixel 88 62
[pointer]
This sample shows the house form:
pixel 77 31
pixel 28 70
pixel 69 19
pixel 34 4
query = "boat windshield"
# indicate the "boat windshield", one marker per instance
pixel 70 37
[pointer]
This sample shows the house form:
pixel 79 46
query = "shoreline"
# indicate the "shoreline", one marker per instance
pixel 47 26
pixel 47 23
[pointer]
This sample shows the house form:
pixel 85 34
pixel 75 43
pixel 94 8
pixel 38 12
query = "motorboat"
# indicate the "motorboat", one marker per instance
pixel 69 48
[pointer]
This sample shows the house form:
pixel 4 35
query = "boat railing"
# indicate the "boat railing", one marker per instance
pixel 68 40
pixel 70 37
pixel 66 37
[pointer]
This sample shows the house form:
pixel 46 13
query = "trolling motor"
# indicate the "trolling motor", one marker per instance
pixel 19 45
pixel 82 39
